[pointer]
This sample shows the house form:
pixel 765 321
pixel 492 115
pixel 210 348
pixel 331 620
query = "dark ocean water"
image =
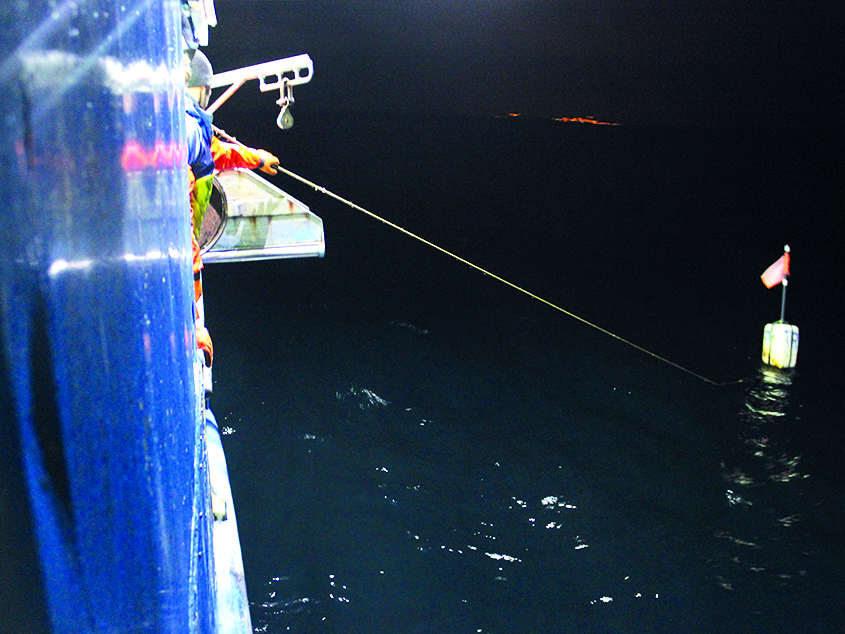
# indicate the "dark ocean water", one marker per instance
pixel 415 447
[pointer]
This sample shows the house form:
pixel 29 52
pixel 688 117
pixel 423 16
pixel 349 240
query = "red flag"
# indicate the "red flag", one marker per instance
pixel 777 272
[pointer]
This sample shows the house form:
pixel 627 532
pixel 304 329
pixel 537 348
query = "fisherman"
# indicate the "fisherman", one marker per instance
pixel 206 153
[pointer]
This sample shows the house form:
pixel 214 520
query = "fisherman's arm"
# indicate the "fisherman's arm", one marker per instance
pixel 231 155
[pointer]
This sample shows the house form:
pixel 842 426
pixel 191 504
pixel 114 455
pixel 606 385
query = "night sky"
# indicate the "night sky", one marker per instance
pixel 642 62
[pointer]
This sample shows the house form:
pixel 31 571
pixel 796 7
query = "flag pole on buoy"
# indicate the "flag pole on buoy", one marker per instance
pixel 780 339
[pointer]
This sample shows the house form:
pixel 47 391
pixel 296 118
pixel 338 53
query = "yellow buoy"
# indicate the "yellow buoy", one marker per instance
pixel 780 344
pixel 780 339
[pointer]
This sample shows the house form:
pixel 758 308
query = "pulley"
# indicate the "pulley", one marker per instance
pixel 285 118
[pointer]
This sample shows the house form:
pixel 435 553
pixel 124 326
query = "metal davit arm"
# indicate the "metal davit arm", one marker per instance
pixel 287 73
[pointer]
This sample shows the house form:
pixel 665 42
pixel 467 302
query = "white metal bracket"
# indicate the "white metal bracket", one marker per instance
pixel 281 75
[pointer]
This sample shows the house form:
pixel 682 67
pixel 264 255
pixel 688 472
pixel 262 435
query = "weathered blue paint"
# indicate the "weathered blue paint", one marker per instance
pixel 103 479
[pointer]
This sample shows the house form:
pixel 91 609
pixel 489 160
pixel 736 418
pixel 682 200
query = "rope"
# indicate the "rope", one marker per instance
pixel 224 135
pixel 349 203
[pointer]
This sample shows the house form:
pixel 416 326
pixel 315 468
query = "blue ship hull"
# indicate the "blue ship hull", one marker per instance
pixel 105 471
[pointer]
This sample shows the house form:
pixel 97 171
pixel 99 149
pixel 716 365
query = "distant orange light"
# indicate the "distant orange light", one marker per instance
pixel 583 120
pixel 590 120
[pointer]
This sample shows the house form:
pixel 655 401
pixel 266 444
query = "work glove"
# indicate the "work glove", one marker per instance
pixel 204 344
pixel 269 163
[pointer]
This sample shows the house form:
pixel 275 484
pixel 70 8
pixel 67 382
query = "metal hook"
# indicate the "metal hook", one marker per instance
pixel 285 118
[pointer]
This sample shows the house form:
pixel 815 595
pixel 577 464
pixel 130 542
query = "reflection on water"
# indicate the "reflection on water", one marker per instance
pixel 765 430
pixel 763 490
pixel 402 520
pixel 415 525
pixel 437 496
pixel 382 515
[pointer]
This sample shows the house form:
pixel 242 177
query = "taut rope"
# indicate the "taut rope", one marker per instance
pixel 349 203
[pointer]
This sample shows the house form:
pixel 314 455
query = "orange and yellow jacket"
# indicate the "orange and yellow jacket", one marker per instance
pixel 207 154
